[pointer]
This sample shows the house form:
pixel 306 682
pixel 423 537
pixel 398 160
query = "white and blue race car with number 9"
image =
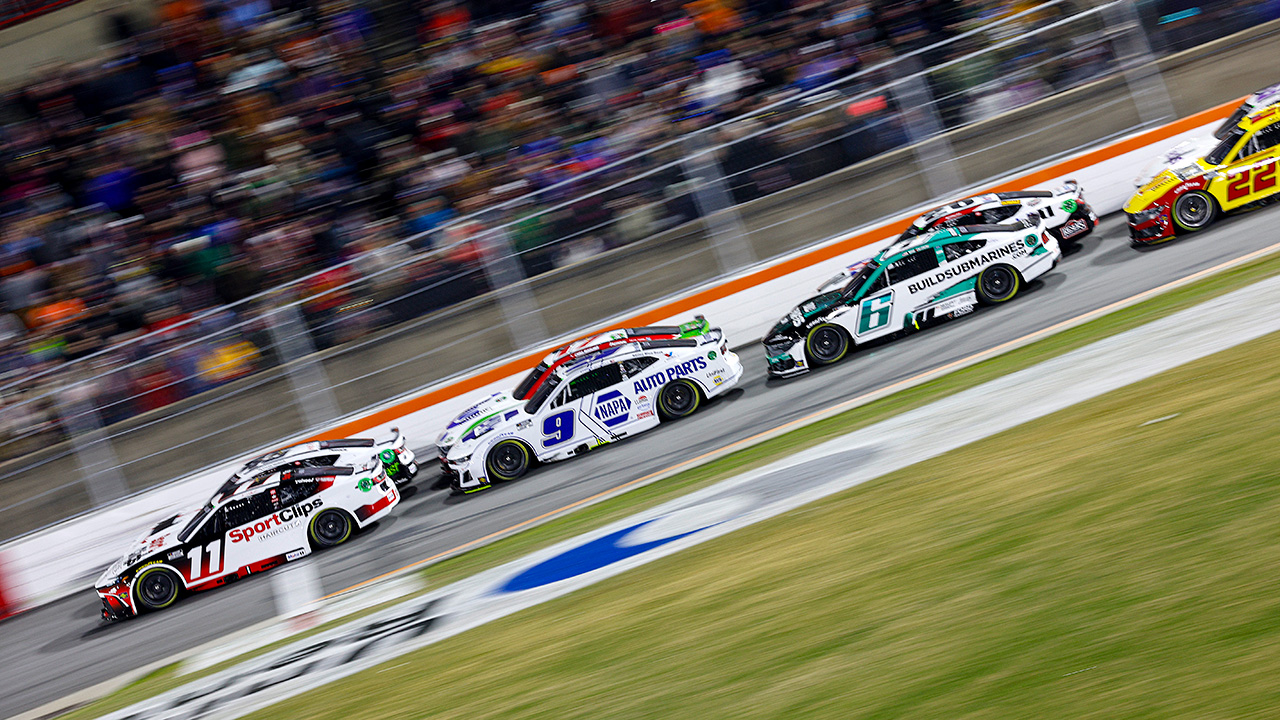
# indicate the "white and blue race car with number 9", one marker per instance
pixel 594 391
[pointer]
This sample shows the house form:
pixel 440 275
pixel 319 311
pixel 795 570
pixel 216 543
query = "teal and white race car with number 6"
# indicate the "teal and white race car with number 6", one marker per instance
pixel 945 273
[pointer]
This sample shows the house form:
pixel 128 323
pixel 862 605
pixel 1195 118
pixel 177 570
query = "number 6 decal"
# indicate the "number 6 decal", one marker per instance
pixel 558 428
pixel 875 313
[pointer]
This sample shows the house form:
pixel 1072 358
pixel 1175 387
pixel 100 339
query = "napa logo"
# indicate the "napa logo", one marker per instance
pixel 612 408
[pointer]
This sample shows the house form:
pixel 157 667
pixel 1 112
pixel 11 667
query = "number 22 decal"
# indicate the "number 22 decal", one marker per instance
pixel 557 429
pixel 1263 177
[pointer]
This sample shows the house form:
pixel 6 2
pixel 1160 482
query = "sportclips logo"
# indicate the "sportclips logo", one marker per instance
pixel 276 520
pixel 688 367
pixel 1014 249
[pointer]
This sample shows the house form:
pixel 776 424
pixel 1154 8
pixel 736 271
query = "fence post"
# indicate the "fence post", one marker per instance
pixel 506 277
pixel 99 467
pixel 924 128
pixel 311 389
pixel 715 204
pixel 1141 71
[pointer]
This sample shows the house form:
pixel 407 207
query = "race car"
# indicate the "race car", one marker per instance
pixel 1063 212
pixel 591 392
pixel 397 459
pixel 272 514
pixel 1188 151
pixel 1239 172
pixel 940 274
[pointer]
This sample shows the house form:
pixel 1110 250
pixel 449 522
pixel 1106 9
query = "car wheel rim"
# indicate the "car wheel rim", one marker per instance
pixel 509 459
pixel 996 283
pixel 331 527
pixel 678 398
pixel 158 588
pixel 826 344
pixel 1193 211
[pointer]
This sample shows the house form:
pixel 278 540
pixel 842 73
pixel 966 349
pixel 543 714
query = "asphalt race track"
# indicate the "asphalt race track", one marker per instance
pixel 64 647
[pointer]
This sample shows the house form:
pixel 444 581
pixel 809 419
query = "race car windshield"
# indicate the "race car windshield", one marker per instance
pixel 860 277
pixel 541 394
pixel 527 383
pixel 1219 154
pixel 195 522
pixel 910 232
pixel 1225 128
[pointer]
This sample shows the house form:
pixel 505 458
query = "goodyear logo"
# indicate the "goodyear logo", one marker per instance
pixel 612 408
pixel 659 379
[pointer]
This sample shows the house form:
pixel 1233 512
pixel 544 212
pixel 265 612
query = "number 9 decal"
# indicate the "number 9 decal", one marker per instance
pixel 557 429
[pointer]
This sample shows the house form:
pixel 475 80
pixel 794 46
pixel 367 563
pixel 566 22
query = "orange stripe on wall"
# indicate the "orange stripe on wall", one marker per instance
pixel 786 267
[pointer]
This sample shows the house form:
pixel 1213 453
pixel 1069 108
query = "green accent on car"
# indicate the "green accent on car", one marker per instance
pixel 476 489
pixel 1069 206
pixel 365 485
pixel 387 456
pixel 1039 251
pixel 694 328
pixel 711 355
pixel 1031 241
pixel 474 424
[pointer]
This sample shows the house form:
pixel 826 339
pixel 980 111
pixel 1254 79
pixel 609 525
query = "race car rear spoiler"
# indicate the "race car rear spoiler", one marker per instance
pixel 315 472
pixel 346 443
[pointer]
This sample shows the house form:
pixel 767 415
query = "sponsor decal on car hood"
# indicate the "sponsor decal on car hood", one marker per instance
pixel 500 402
pixel 161 537
pixel 801 313
pixel 1184 153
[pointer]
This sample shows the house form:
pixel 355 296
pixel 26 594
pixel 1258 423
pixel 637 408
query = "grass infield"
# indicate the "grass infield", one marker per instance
pixel 1115 559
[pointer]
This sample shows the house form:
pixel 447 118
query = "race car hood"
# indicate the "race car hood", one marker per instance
pixel 162 537
pixel 1162 183
pixel 1184 153
pixel 494 411
pixel 800 314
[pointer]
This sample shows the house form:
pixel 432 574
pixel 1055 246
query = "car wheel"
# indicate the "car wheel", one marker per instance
pixel 157 587
pixel 678 399
pixel 826 344
pixel 329 528
pixel 508 460
pixel 1194 211
pixel 997 284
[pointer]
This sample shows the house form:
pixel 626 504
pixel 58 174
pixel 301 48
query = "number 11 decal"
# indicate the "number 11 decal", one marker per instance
pixel 196 555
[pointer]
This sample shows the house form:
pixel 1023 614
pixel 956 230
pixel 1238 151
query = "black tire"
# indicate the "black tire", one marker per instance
pixel 1194 211
pixel 997 284
pixel 331 527
pixel 679 398
pixel 508 460
pixel 156 588
pixel 826 344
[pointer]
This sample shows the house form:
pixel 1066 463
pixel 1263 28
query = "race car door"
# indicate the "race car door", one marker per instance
pixel 1252 176
pixel 202 562
pixel 254 539
pixel 567 423
pixel 896 292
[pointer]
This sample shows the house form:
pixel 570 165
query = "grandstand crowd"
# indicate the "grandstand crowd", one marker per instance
pixel 219 149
